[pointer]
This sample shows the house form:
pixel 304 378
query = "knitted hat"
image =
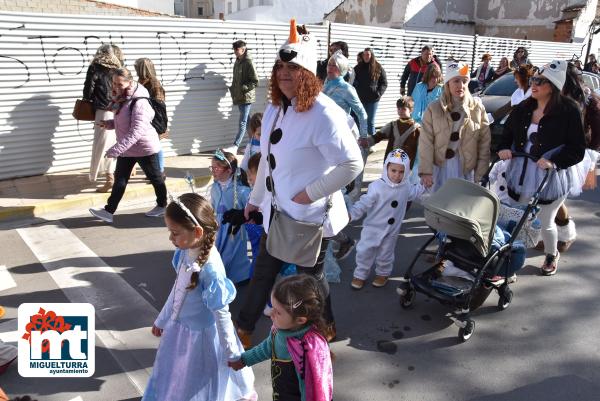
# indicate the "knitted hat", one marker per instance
pixel 555 72
pixel 397 156
pixel 456 69
pixel 341 62
pixel 300 48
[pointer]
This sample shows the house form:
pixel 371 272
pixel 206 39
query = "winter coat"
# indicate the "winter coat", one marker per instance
pixel 561 126
pixel 393 130
pixel 244 81
pixel 369 91
pixel 136 137
pixel 489 74
pixel 97 86
pixel 345 96
pixel 475 138
pixel 413 73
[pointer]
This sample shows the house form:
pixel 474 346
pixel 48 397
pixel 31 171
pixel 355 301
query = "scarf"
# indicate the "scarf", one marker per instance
pixel 312 359
pixel 118 101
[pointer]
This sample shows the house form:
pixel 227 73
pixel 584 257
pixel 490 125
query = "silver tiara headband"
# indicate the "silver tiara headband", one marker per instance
pixel 186 210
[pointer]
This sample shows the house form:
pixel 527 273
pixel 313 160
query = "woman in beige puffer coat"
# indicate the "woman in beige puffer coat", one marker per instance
pixel 455 136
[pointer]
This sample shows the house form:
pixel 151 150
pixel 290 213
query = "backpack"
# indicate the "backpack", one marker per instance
pixel 160 120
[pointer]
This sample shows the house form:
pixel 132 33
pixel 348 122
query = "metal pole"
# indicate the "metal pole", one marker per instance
pixel 474 53
pixel 587 51
pixel 592 32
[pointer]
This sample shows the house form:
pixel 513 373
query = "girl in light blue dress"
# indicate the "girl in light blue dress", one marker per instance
pixel 229 192
pixel 197 335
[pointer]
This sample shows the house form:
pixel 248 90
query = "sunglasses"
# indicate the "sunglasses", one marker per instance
pixel 538 81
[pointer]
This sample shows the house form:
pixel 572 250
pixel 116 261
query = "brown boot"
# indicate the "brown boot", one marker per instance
pixel 107 187
pixel 330 332
pixel 245 338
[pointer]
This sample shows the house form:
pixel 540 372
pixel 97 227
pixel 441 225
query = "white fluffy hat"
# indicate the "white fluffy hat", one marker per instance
pixel 456 69
pixel 300 49
pixel 556 72
pixel 397 156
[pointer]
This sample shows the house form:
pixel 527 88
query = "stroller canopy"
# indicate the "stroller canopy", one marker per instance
pixel 464 210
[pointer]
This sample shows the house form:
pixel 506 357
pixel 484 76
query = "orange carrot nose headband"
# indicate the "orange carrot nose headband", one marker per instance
pixel 300 48
pixel 456 69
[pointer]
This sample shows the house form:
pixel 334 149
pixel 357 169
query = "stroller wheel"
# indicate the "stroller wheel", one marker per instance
pixel 407 299
pixel 505 299
pixel 464 333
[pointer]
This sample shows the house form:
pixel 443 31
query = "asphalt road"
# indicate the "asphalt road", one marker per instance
pixel 544 347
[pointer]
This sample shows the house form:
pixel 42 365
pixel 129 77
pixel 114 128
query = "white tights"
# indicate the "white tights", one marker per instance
pixel 549 232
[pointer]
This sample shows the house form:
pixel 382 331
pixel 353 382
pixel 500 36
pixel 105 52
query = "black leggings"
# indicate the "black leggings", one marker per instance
pixel 149 165
pixel 266 270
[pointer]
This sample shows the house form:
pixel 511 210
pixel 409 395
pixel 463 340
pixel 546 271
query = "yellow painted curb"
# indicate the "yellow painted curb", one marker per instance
pixel 94 199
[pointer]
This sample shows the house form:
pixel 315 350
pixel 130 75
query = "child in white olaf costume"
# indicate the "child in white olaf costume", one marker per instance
pixel 385 205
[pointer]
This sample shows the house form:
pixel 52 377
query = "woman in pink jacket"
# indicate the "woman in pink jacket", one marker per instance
pixel 137 142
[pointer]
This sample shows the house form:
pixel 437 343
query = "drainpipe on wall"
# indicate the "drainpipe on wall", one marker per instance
pixel 474 52
pixel 592 32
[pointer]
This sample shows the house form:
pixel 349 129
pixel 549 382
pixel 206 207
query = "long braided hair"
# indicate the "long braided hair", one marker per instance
pixel 204 214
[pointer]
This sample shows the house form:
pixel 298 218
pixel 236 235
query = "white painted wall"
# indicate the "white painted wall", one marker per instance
pixel 159 6
pixel 580 31
pixel 305 11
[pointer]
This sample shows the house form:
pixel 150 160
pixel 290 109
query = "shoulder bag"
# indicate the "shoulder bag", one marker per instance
pixel 84 110
pixel 288 239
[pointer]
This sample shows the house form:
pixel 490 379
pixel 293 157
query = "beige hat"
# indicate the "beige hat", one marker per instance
pixel 456 69
pixel 555 72
pixel 299 49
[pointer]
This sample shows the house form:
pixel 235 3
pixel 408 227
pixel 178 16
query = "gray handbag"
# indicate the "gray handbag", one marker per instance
pixel 291 240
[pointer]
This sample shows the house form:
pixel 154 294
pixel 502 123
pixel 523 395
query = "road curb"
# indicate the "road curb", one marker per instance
pixel 81 201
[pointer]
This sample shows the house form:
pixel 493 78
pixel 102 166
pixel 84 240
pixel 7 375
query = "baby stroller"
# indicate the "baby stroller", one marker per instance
pixel 467 214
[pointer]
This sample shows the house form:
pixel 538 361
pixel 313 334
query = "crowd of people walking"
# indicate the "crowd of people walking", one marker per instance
pixel 299 183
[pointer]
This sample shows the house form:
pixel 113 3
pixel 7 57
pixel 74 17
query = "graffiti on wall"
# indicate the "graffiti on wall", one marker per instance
pixel 177 52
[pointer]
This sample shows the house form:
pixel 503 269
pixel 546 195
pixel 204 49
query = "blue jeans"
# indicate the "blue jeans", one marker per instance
pixel 371 109
pixel 244 114
pixel 161 160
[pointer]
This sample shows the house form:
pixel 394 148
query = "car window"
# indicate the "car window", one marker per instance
pixel 503 86
pixel 591 81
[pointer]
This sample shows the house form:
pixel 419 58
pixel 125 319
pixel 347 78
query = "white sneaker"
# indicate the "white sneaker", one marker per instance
pixel 102 214
pixel 157 211
pixel 267 311
pixel 231 149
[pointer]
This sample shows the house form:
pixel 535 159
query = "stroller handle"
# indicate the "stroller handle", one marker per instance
pixel 485 179
pixel 523 154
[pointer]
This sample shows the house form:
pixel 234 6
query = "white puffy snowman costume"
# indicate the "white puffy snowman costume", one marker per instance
pixel 385 205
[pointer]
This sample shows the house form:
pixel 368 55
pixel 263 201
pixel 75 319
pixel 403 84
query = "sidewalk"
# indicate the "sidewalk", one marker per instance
pixel 46 195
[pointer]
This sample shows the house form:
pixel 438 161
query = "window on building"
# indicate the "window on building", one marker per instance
pixel 200 11
pixel 239 5
pixel 229 7
pixel 250 3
